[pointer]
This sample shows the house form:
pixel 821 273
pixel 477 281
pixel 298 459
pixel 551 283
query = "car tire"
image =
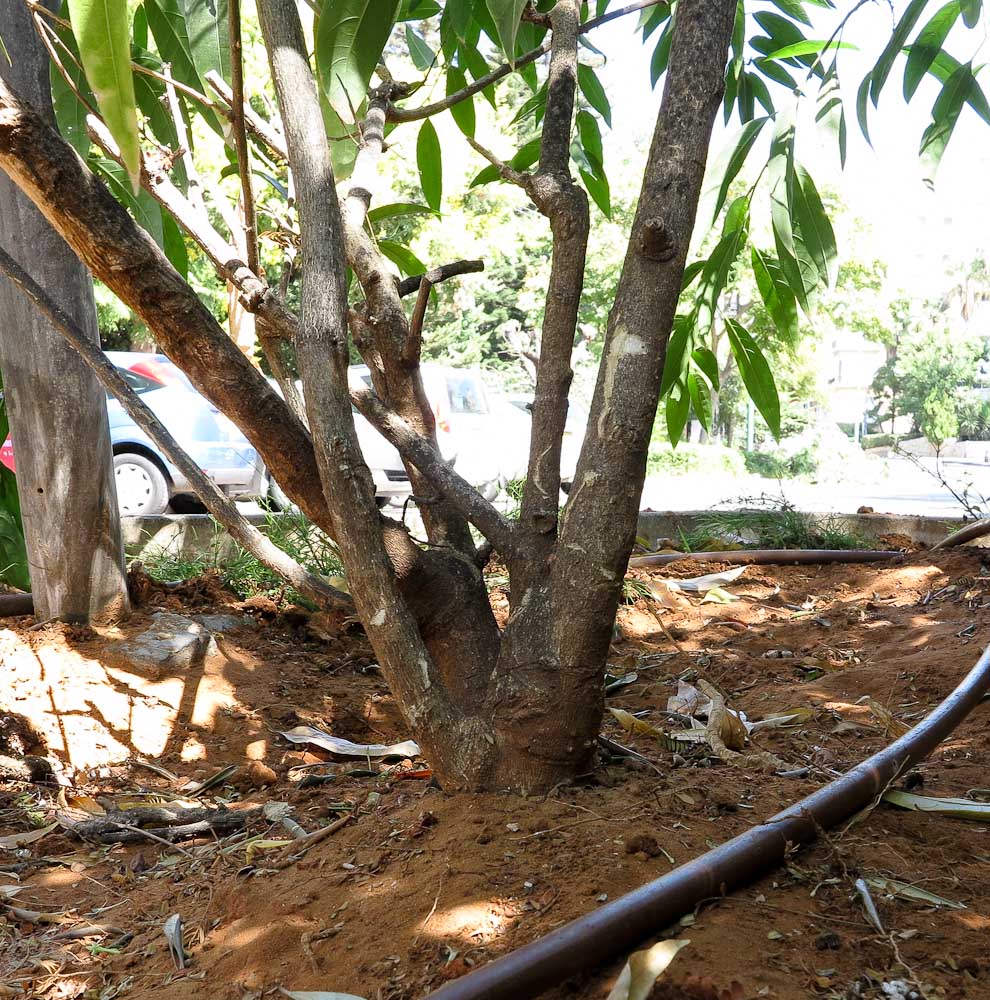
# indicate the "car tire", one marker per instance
pixel 187 503
pixel 275 499
pixel 142 489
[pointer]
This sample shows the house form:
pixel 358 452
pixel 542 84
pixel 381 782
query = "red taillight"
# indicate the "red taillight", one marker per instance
pixel 7 455
pixel 442 423
pixel 157 370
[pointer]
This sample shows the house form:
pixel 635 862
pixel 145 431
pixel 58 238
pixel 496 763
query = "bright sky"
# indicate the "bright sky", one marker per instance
pixel 916 230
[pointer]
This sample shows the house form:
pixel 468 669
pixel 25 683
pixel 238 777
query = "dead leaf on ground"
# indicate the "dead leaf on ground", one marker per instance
pixel 703 584
pixel 904 890
pixel 959 808
pixel 643 968
pixel 345 748
pixel 15 840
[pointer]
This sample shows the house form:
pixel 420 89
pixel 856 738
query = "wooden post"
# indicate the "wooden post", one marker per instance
pixel 57 409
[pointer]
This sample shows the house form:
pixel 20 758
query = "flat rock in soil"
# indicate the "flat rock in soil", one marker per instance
pixel 218 624
pixel 172 641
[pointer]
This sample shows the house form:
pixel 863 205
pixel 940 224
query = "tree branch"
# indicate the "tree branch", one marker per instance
pixel 437 274
pixel 262 130
pixel 396 114
pixel 321 347
pixel 216 502
pixel 425 456
pixel 240 136
pixel 566 206
pixel 505 171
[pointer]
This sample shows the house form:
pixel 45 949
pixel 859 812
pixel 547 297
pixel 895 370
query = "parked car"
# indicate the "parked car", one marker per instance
pixel 570 449
pixel 146 481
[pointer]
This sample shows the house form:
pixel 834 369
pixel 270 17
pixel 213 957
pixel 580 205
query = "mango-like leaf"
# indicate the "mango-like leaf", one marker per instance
pixel 927 46
pixel 505 15
pixel 70 112
pixel 396 210
pixel 596 184
pixel 661 54
pixel 817 235
pixel 594 92
pixel 755 374
pixel 725 169
pixel 896 42
pixel 406 261
pixel 462 112
pixel 863 109
pixel 423 57
pixel 675 359
pixel 701 401
pixel 960 808
pixel 942 68
pixel 945 114
pixel 677 410
pixel 174 244
pixel 429 160
pixel 209 36
pixel 971 12
pixel 793 9
pixel 707 363
pixel 776 294
pixel 591 138
pixel 809 47
pixel 524 158
pixel 141 205
pixel 350 37
pixel 102 30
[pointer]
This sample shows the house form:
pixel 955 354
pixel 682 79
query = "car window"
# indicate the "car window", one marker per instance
pixel 465 394
pixel 139 383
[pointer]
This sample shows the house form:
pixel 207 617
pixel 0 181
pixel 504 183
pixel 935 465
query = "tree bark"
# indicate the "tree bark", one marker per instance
pixel 58 416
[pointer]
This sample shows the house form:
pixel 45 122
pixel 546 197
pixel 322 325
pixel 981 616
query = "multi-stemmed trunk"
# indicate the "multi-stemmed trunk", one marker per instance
pixel 513 708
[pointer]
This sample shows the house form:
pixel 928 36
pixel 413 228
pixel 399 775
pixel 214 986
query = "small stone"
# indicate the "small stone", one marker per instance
pixel 483 838
pixel 602 897
pixel 257 775
pixel 513 827
pixel 643 843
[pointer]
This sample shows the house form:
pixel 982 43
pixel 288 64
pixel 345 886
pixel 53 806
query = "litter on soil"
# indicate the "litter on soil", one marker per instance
pixel 312 870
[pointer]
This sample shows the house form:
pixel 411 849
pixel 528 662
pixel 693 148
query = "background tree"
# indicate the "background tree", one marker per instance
pixel 518 707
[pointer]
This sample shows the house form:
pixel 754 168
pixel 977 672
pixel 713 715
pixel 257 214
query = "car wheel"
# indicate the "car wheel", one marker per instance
pixel 142 489
pixel 276 500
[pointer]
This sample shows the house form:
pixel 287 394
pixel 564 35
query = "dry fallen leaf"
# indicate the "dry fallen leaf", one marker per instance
pixel 16 840
pixel 636 980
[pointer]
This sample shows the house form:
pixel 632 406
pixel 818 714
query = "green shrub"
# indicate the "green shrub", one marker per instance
pixel 777 465
pixel 688 458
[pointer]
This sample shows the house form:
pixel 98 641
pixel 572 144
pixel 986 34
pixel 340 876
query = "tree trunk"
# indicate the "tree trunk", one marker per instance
pixel 58 416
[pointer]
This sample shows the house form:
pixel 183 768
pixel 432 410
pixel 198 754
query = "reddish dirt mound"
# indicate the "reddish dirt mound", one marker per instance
pixel 420 886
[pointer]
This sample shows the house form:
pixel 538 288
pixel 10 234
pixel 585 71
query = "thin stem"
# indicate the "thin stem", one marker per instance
pixel 396 114
pixel 240 135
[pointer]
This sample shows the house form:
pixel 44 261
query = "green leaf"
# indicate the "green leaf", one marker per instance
pixel 691 272
pixel 209 36
pixel 945 114
pixel 903 28
pixel 477 67
pixel 406 261
pixel 506 15
pixel 971 12
pixel 761 92
pixel 809 47
pixel 817 235
pixel 463 111
pixel 102 30
pixel 70 112
pixel 350 38
pixel 701 401
pixel 524 158
pixel 942 69
pixel 677 410
pixel 174 244
pixel 535 106
pixel 140 204
pixel 675 359
pixel 725 169
pixel 774 71
pixel 960 808
pixel 597 186
pixel 591 139
pixel 167 21
pixel 776 295
pixel 927 46
pixel 430 163
pixel 149 93
pixel 396 210
pixel 594 92
pixel 661 54
pixel 423 57
pixel 418 10
pixel 708 364
pixel 755 374
pixel 793 9
pixel 863 109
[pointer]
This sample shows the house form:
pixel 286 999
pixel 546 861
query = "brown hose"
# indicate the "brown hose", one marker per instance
pixel 967 533
pixel 16 604
pixel 616 928
pixel 770 557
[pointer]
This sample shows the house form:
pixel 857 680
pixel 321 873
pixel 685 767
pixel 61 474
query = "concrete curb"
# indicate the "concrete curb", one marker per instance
pixel 190 535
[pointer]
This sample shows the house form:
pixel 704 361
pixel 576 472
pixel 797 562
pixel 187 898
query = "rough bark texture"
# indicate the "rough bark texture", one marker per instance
pixel 518 710
pixel 58 417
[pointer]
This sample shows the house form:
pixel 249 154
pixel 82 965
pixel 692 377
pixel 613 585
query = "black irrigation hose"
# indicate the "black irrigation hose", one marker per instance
pixel 615 929
pixel 12 605
pixel 770 557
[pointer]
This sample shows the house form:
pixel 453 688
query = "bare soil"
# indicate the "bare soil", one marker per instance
pixel 422 885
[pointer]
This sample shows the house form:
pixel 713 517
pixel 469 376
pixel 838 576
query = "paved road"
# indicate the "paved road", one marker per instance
pixel 898 487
